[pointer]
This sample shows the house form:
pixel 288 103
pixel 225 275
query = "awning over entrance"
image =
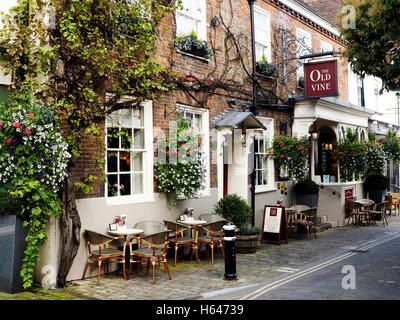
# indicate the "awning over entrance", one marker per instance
pixel 238 120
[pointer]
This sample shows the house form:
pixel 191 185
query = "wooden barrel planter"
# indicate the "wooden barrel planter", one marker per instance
pixel 246 243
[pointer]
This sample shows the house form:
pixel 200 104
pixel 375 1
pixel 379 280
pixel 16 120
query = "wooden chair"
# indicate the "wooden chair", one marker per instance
pixel 393 203
pixel 179 239
pixel 211 235
pixel 379 213
pixel 152 248
pixel 354 214
pixel 104 253
pixel 307 219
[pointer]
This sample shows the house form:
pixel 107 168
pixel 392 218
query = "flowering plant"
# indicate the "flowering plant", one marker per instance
pixel 180 167
pixel 351 155
pixel 391 146
pixel 265 68
pixel 33 162
pixel 291 153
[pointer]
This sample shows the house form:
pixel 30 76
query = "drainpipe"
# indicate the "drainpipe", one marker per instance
pixel 253 110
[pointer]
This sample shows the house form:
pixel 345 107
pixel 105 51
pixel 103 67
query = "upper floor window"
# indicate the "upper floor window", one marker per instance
pixel 192 17
pixel 262 34
pixel 360 91
pixel 376 93
pixel 129 156
pixel 304 46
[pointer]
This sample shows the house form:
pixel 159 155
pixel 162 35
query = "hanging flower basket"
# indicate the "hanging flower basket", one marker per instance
pixel 266 69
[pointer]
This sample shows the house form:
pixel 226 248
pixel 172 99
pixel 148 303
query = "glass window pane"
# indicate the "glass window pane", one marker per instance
pixel 138 117
pixel 112 186
pixel 112 138
pixel 262 146
pixel 126 118
pixel 124 161
pixel 198 123
pixel 137 161
pixel 113 119
pixel 265 177
pixel 256 142
pixel 265 162
pixel 259 177
pixel 125 184
pixel 126 138
pixel 138 138
pixel 138 183
pixel 112 161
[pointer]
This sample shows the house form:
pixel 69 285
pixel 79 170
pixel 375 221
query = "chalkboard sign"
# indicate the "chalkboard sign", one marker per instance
pixel 274 224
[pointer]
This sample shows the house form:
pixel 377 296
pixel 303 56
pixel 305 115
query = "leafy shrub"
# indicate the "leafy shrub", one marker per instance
pixel 307 186
pixel 8 204
pixel 234 209
pixel 376 182
pixel 266 69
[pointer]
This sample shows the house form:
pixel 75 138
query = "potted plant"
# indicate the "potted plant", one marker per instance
pixel 192 45
pixel 266 69
pixel 300 82
pixel 13 245
pixel 307 193
pixel 236 210
pixel 376 186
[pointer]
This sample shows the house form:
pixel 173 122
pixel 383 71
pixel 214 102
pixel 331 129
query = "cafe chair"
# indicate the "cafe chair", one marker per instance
pixel 152 248
pixel 392 204
pixel 308 220
pixel 150 226
pixel 379 213
pixel 178 239
pixel 103 253
pixel 354 211
pixel 211 235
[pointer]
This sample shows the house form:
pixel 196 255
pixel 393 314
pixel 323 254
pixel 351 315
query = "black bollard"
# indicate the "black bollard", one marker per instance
pixel 230 254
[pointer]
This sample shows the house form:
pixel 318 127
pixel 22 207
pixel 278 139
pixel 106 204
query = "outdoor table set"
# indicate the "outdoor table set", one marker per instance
pixel 301 215
pixel 153 239
pixel 365 211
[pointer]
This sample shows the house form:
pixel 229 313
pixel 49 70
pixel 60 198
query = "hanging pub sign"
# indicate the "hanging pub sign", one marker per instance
pixel 320 79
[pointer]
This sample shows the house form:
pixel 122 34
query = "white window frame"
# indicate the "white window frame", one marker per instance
pixel 206 143
pixel 268 136
pixel 300 33
pixel 147 161
pixel 326 47
pixel 200 16
pixel 267 44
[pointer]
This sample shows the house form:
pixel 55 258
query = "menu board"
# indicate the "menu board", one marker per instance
pixel 274 223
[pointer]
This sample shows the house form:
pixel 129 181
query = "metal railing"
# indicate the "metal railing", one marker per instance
pixel 396 186
pixel 334 192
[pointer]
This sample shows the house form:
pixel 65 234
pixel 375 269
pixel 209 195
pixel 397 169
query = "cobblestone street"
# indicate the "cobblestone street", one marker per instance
pixel 192 281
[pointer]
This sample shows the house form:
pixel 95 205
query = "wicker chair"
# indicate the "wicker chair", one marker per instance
pixel 379 213
pixel 211 234
pixel 355 208
pixel 104 253
pixel 178 238
pixel 307 219
pixel 153 248
pixel 391 204
pixel 150 227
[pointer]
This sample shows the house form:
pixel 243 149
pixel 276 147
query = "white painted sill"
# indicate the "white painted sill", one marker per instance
pixel 193 56
pixel 112 201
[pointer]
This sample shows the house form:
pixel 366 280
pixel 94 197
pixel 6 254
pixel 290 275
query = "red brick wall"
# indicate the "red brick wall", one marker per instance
pixel 224 68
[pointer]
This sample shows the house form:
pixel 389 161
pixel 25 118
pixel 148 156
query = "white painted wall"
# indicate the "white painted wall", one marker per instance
pixel 385 105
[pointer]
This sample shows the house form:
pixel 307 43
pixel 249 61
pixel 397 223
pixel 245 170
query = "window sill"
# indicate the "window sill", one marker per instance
pixel 129 200
pixel 193 56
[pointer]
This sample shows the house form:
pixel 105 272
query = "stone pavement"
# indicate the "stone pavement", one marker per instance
pixel 194 281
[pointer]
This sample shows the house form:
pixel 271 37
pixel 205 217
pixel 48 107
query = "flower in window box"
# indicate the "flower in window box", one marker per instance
pixel 267 69
pixel 300 82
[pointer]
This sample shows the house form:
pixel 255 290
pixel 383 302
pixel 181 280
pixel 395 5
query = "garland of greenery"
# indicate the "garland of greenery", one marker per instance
pixel 391 146
pixel 291 153
pixel 33 162
pixel 180 169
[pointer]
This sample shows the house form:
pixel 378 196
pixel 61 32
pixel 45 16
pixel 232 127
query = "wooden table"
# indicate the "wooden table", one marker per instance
pixel 367 204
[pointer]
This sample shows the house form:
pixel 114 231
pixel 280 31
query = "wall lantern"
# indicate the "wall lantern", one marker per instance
pixel 243 137
pixel 315 133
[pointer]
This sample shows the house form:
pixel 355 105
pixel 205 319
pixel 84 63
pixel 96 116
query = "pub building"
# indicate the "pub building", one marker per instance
pixel 322 116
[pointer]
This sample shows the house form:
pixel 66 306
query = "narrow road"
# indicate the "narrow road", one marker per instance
pixel 368 272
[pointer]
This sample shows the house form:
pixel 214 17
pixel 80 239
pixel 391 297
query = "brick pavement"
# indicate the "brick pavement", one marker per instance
pixel 191 280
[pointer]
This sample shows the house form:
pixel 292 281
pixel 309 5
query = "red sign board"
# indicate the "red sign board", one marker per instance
pixel 320 79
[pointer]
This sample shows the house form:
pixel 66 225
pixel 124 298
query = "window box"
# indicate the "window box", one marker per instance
pixel 192 45
pixel 300 83
pixel 266 69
